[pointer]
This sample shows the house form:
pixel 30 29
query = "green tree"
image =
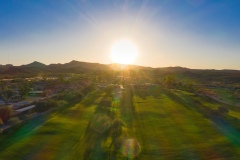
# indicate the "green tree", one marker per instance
pixel 169 81
pixel 105 103
pixel 5 113
pixel 223 110
pixel 1 122
pixel 62 103
pixel 7 94
pixel 43 106
pixel 51 103
pixel 13 120
pixel 24 89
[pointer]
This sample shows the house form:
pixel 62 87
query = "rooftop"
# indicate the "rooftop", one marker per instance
pixel 25 109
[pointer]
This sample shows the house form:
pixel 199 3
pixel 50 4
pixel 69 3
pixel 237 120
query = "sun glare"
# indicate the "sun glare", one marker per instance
pixel 123 52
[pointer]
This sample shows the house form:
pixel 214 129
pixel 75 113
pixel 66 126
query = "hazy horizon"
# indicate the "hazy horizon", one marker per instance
pixel 120 64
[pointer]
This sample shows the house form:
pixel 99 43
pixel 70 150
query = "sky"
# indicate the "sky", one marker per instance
pixel 199 34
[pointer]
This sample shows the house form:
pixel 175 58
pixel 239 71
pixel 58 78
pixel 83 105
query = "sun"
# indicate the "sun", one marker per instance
pixel 123 52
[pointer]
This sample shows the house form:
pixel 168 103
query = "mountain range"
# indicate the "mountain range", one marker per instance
pixel 71 67
pixel 37 68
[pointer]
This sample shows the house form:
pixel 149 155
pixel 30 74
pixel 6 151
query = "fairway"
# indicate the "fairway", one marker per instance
pixel 168 129
pixel 168 125
pixel 58 137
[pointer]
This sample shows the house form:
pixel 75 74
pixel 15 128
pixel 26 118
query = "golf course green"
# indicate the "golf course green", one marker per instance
pixel 168 124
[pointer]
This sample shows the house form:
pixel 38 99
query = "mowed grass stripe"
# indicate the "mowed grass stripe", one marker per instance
pixel 58 137
pixel 230 129
pixel 173 131
pixel 166 127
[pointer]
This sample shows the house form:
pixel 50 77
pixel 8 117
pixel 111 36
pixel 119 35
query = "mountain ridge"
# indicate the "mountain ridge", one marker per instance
pixel 82 63
pixel 81 67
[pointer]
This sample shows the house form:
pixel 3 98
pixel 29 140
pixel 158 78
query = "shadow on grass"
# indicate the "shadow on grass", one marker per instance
pixel 98 129
pixel 155 92
pixel 223 122
pixel 147 91
pixel 141 102
pixel 103 132
pixel 93 142
pixel 88 101
pixel 23 130
pixel 48 132
pixel 141 93
pixel 178 99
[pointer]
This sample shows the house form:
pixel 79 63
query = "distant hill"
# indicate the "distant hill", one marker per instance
pixel 5 67
pixel 86 65
pixel 13 70
pixel 34 64
pixel 36 68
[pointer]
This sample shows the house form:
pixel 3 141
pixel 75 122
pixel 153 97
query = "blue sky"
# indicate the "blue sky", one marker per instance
pixel 187 33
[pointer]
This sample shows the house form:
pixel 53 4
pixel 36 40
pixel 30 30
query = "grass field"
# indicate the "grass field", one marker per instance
pixel 171 128
pixel 167 124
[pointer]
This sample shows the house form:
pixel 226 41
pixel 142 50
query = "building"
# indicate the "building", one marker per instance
pixel 36 94
pixel 2 103
pixel 27 110
pixel 20 105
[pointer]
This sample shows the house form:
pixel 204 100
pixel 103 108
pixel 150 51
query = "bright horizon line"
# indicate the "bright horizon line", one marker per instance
pixel 123 65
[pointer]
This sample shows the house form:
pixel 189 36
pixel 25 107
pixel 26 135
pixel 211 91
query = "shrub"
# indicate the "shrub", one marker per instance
pixel 5 113
pixel 1 122
pixel 14 120
pixel 169 81
pixel 223 110
pixel 51 103
pixel 43 106
pixel 62 103
pixel 24 116
pixel 80 95
pixel 70 96
pixel 105 103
